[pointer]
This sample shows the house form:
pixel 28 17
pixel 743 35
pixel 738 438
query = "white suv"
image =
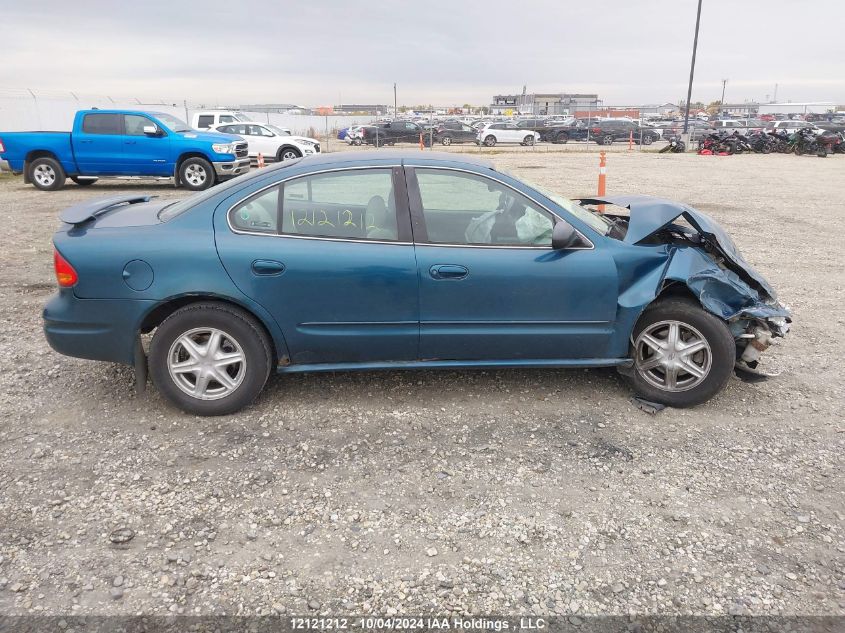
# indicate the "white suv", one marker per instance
pixel 506 132
pixel 275 144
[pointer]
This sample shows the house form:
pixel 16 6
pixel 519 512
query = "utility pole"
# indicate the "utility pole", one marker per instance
pixel 692 67
pixel 775 97
pixel 395 110
pixel 722 102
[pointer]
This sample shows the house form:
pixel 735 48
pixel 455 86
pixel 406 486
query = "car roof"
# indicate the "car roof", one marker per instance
pixel 368 156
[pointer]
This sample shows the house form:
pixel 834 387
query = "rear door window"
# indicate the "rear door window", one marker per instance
pixel 102 124
pixel 354 204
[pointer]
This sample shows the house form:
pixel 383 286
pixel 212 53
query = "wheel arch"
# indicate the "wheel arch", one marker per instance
pixel 43 153
pixel 287 146
pixel 162 310
pixel 182 158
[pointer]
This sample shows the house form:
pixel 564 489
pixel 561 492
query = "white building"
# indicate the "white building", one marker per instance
pixel 817 107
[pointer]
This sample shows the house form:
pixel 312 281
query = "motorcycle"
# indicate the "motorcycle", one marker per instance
pixel 762 143
pixel 715 143
pixel 739 143
pixel 676 146
pixel 804 141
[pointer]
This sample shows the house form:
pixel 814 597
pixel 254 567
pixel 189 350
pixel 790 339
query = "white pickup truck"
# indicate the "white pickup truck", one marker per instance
pixel 213 118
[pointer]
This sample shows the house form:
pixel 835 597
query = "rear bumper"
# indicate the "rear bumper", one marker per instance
pixel 5 166
pixel 231 168
pixel 95 329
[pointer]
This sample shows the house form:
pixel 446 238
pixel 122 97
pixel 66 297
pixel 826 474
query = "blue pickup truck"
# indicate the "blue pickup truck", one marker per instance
pixel 124 143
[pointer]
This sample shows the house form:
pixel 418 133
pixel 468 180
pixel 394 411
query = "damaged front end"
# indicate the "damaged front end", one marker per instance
pixel 703 257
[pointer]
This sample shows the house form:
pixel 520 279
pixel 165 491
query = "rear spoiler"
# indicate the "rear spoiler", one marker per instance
pixel 81 213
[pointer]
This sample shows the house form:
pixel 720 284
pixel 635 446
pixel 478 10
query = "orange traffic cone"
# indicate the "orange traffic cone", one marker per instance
pixel 602 178
pixel 260 160
pixel 422 144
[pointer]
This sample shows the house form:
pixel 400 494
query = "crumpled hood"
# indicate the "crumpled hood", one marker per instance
pixel 650 215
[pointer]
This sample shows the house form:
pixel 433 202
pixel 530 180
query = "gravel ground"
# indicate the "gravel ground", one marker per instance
pixel 524 492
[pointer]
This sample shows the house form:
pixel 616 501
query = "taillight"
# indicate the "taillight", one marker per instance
pixel 65 274
pixel 2 147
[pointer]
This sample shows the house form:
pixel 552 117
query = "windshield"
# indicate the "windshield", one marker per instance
pixel 595 220
pixel 172 123
pixel 277 130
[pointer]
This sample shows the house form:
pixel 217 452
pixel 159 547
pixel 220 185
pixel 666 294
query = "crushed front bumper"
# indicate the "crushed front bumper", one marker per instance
pixel 231 168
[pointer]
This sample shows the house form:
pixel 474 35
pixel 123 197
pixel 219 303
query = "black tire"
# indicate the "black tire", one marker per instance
pixel 648 140
pixel 238 326
pixel 46 174
pixel 490 141
pixel 287 153
pixel 196 174
pixel 446 140
pixel 83 181
pixel 356 142
pixel 712 329
pixel 606 140
pixel 529 140
pixel 562 137
pixel 822 152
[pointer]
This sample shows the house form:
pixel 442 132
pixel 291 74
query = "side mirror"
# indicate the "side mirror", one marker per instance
pixel 150 130
pixel 564 236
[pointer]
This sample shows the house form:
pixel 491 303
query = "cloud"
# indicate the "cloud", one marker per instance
pixel 439 52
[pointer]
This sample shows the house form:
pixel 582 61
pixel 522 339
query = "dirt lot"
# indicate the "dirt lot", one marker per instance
pixel 468 492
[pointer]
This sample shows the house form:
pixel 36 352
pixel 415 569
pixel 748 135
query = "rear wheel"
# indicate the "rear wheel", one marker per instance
pixel 196 174
pixel 648 140
pixel 528 140
pixel 490 141
pixel 682 354
pixel 46 173
pixel 606 140
pixel 563 137
pixel 446 140
pixel 210 359
pixel 83 181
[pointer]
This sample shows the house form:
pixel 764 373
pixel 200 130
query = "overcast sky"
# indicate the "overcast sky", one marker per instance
pixel 321 52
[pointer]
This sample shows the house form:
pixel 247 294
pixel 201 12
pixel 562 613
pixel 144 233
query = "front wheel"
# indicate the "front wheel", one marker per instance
pixel 210 359
pixel 287 153
pixel 196 174
pixel 528 140
pixel 683 355
pixel 490 141
pixel 606 140
pixel 446 140
pixel 46 173
pixel 647 140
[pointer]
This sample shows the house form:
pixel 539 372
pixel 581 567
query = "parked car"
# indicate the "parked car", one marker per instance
pixel 606 132
pixel 449 132
pixel 544 127
pixel 790 126
pixel 506 132
pixel 392 132
pixel 354 135
pixel 273 143
pixel 114 143
pixel 565 131
pixel 312 265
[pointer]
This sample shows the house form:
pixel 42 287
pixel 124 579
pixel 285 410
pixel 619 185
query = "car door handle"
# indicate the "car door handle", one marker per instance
pixel 130 142
pixel 267 267
pixel 86 141
pixel 447 271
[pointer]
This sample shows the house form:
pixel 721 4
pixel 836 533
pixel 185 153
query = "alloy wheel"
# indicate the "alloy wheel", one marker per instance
pixel 44 175
pixel 195 175
pixel 672 356
pixel 206 363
